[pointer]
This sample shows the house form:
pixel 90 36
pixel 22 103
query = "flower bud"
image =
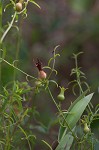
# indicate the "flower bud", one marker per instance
pixel 18 6
pixel 42 74
pixel 86 128
pixel 61 96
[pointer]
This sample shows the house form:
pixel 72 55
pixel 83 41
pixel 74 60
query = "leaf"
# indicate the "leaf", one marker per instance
pixel 56 55
pixel 75 111
pixel 39 128
pixel 7 6
pixel 50 61
pixel 32 1
pixel 62 130
pixel 53 82
pixel 5 91
pixel 18 99
pixel 52 58
pixel 66 142
pixel 78 99
pixel 47 67
pixel 47 144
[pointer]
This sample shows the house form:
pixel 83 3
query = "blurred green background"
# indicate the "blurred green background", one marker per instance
pixel 72 24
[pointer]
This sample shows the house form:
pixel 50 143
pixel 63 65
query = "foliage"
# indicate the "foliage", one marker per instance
pixel 18 114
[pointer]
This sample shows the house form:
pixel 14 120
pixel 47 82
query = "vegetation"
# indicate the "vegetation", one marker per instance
pixel 22 125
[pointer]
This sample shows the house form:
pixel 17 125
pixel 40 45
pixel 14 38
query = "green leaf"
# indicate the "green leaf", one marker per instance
pixel 75 111
pixel 32 1
pixel 62 130
pixel 50 61
pixel 7 6
pixel 53 82
pixel 78 99
pixel 66 142
pixel 53 58
pixel 47 67
pixel 4 105
pixel 47 144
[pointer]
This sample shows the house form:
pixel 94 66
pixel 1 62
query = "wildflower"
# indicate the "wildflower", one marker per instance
pixel 42 74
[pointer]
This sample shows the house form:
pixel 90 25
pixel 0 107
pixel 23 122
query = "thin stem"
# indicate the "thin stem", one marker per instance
pixel 1 3
pixel 62 115
pixel 78 78
pixel 8 139
pixel 19 69
pixel 78 74
pixel 53 66
pixel 7 30
pixel 17 53
pixel 7 146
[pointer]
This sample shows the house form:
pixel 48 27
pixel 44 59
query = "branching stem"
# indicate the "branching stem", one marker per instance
pixel 27 75
pixel 7 30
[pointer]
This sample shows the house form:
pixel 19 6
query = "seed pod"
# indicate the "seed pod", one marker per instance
pixel 18 6
pixel 86 128
pixel 42 74
pixel 61 96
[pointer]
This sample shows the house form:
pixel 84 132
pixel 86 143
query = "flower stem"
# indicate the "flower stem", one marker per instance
pixel 27 75
pixel 7 30
pixel 62 115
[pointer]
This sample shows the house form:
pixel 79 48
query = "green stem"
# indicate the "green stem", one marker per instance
pixel 78 79
pixel 52 66
pixel 12 65
pixel 1 3
pixel 77 75
pixel 62 115
pixel 7 146
pixel 79 83
pixel 3 37
pixel 8 139
pixel 17 53
pixel 7 30
pixel 53 61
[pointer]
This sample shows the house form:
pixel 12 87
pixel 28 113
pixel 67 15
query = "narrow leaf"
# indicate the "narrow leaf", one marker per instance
pixel 35 4
pixel 75 111
pixel 53 82
pixel 47 144
pixel 66 142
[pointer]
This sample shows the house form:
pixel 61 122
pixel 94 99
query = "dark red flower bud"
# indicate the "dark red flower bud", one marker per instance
pixel 42 74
